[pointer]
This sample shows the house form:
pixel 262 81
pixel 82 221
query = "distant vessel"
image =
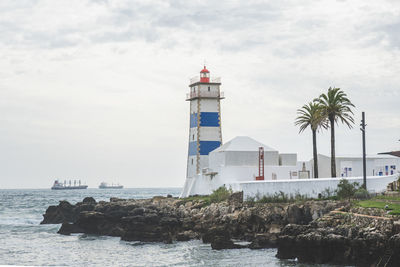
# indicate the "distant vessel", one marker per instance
pixel 64 186
pixel 104 185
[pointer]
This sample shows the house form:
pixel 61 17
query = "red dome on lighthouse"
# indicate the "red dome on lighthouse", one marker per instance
pixel 204 75
pixel 204 70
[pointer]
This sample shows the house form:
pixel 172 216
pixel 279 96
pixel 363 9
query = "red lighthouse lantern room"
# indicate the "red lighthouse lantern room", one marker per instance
pixel 204 75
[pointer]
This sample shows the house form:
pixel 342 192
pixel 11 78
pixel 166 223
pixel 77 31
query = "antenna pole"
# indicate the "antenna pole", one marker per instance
pixel 364 153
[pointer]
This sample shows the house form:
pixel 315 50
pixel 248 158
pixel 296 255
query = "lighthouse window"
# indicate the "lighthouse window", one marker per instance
pixel 192 161
pixel 193 137
pixel 209 88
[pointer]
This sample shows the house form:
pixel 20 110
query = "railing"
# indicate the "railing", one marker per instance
pixel 206 94
pixel 196 79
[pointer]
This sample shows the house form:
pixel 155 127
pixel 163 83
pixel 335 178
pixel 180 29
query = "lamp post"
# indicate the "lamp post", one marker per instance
pixel 364 154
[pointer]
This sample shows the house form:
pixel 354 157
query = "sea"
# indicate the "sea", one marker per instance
pixel 24 242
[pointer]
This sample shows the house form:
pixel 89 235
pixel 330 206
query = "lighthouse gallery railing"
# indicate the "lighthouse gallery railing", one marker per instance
pixel 205 95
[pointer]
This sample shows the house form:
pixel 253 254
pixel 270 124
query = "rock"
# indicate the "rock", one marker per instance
pixel 236 198
pixel 298 215
pixel 166 219
pixel 264 241
pixel 116 199
pixel 138 211
pixel 211 233
pixel 186 236
pixel 342 239
pixel 220 242
pixel 89 200
pixel 169 221
pixel 64 212
pixel 69 228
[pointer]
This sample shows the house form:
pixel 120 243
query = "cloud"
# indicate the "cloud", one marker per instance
pixel 97 88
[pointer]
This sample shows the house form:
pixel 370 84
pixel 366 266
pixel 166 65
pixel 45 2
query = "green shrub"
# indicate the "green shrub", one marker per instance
pixel 327 194
pixel 361 193
pixel 219 195
pixel 281 197
pixel 346 189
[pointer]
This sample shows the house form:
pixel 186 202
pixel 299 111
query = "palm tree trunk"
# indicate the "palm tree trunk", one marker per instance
pixel 315 154
pixel 333 157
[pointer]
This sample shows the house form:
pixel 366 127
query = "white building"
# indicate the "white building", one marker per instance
pixel 350 166
pixel 238 161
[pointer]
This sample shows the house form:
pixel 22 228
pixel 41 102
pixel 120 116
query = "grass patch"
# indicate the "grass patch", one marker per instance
pixel 373 203
pixel 280 197
pixel 389 198
pixel 197 198
pixel 219 195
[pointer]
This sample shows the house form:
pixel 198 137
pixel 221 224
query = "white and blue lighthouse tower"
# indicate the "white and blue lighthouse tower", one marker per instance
pixel 205 125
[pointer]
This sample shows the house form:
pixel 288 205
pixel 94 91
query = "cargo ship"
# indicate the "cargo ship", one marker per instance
pixel 64 186
pixel 104 185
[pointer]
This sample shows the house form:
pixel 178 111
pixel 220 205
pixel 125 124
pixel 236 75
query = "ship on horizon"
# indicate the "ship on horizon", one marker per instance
pixel 104 185
pixel 64 186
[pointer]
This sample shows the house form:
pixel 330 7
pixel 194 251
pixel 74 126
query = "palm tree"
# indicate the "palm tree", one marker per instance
pixel 310 116
pixel 335 106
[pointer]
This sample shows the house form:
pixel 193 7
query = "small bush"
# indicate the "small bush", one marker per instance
pixel 219 195
pixel 281 197
pixel 361 193
pixel 327 194
pixel 251 201
pixel 346 189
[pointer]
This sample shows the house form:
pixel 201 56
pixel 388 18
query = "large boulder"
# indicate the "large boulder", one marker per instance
pixel 63 212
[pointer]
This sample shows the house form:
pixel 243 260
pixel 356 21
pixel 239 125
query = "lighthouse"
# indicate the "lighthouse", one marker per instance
pixel 205 124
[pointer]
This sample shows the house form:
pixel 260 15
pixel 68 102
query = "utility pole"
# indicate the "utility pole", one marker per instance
pixel 364 153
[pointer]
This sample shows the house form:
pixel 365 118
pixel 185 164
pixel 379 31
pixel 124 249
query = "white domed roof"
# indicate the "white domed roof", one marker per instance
pixel 242 143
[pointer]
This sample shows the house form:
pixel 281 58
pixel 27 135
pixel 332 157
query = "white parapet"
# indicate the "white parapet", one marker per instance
pixel 306 187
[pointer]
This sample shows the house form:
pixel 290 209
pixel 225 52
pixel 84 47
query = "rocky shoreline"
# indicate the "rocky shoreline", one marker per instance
pixel 311 231
pixel 350 236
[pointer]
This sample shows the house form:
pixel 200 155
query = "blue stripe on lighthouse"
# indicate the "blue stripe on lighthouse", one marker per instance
pixel 192 148
pixel 209 119
pixel 207 146
pixel 193 120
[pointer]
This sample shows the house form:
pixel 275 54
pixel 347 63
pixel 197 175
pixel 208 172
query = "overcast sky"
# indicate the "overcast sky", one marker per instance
pixel 95 90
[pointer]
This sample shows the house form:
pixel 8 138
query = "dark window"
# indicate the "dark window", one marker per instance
pixel 209 88
pixel 192 161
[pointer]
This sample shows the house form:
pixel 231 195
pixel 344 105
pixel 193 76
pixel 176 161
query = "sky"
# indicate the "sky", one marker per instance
pixel 95 89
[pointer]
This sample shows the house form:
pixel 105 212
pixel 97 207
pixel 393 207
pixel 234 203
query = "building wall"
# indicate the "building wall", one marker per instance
pixel 373 166
pixel 288 159
pixel 308 187
pixel 249 158
pixel 324 166
pixel 248 173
